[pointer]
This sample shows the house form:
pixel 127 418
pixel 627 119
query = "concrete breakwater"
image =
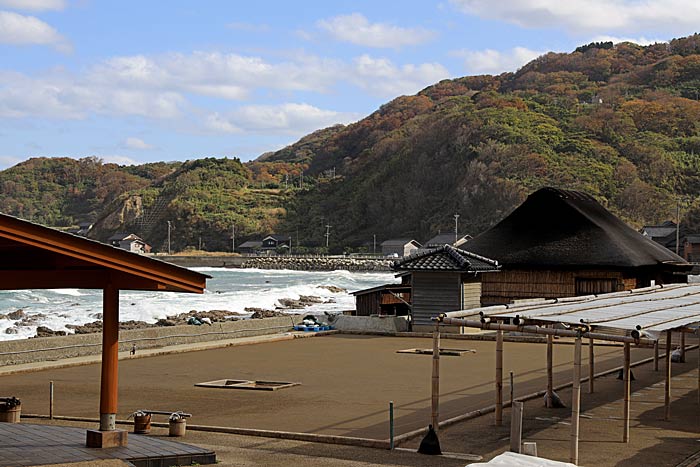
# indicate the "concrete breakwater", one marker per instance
pixel 322 263
pixel 297 263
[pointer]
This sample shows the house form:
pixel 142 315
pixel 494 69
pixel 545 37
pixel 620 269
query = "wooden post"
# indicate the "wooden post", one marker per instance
pixel 667 389
pixel 435 416
pixel 110 362
pixel 516 427
pixel 51 400
pixel 575 403
pixel 591 366
pixel 656 355
pixel 626 408
pixel 698 366
pixel 682 346
pixel 499 378
pixel 550 376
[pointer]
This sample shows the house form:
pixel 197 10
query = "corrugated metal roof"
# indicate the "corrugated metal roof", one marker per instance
pixel 653 310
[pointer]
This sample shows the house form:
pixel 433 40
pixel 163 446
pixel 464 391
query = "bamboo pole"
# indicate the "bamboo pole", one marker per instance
pixel 435 416
pixel 550 374
pixel 626 408
pixel 547 331
pixel 499 378
pixel 682 346
pixel 656 355
pixel 591 365
pixel 575 403
pixel 698 366
pixel 667 388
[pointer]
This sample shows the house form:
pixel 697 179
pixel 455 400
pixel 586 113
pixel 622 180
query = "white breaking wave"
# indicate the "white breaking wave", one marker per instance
pixel 228 289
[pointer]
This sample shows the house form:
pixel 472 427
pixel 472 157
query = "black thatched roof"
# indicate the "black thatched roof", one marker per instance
pixel 560 228
pixel 446 258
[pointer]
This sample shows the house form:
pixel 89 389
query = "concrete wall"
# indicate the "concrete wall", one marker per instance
pixel 91 344
pixel 370 323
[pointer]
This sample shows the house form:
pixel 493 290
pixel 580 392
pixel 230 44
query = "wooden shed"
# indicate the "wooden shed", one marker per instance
pixel 446 278
pixel 388 299
pixel 562 243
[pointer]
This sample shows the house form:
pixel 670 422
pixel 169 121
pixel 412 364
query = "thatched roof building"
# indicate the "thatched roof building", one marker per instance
pixel 562 243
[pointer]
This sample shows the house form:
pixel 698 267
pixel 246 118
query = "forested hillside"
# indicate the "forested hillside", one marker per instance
pixel 620 122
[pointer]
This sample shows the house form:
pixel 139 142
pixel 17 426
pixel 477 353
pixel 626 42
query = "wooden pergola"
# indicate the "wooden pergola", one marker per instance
pixel 637 317
pixel 38 257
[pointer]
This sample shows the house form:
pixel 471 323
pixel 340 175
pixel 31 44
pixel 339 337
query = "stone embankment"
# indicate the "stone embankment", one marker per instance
pixel 318 263
pixel 77 345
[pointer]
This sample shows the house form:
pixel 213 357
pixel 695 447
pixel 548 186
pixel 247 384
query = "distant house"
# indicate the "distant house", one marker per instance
pixel 388 299
pixel 443 279
pixel 562 243
pixel 691 248
pixel 446 239
pixel 274 241
pixel 250 247
pixel 129 242
pixel 399 247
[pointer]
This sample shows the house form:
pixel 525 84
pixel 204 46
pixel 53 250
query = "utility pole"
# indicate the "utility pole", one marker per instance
pixel 301 179
pixel 374 244
pixel 456 216
pixel 678 223
pixel 169 227
pixel 328 233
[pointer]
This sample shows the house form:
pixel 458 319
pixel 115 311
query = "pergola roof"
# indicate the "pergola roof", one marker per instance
pixel 653 310
pixel 38 257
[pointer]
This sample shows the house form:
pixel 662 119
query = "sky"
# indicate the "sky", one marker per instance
pixel 144 81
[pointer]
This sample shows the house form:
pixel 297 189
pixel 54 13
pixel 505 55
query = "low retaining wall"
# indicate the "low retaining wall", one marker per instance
pixel 381 324
pixel 78 345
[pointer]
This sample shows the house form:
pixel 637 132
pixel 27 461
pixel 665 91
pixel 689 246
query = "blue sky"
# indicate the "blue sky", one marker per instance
pixel 139 81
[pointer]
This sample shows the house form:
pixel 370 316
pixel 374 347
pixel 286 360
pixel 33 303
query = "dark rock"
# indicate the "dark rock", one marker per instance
pixel 43 331
pixel 266 314
pixel 332 288
pixel 165 322
pixel 19 314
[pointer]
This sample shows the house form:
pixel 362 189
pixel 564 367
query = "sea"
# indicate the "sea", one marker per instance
pixel 228 289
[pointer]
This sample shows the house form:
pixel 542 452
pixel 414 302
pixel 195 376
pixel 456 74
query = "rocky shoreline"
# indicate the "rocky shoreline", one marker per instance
pixel 193 317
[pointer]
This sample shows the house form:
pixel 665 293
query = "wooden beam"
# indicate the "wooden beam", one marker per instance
pixel 575 403
pixel 499 378
pixel 550 372
pixel 53 279
pixel 667 388
pixel 110 362
pixel 435 399
pixel 591 365
pixel 627 385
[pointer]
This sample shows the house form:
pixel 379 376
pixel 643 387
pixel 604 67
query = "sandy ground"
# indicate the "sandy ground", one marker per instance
pixel 347 382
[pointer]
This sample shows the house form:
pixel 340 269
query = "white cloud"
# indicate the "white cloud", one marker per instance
pixel 617 40
pixel 165 87
pixel 491 61
pixel 18 29
pixel 33 5
pixel 357 29
pixel 289 118
pixel 579 16
pixel 136 143
pixel 117 159
pixel 382 77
